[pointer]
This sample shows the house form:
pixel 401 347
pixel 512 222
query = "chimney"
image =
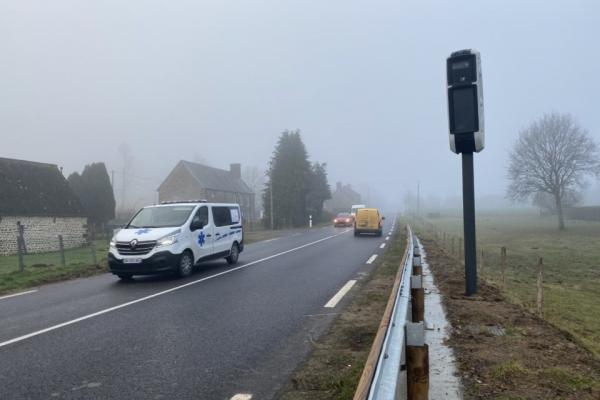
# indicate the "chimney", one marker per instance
pixel 236 170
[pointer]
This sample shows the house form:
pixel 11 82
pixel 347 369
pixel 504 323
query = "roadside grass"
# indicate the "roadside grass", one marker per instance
pixel 43 268
pixel 334 367
pixel 571 266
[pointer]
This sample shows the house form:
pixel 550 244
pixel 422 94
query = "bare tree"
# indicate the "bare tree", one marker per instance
pixel 553 155
pixel 255 178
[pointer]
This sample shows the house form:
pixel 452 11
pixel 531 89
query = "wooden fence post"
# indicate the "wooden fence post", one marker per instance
pixel 20 253
pixel 61 247
pixel 93 251
pixel 503 266
pixel 481 263
pixel 540 288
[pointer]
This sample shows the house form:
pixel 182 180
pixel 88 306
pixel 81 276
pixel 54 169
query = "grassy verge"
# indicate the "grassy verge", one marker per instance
pixel 503 351
pixel 43 268
pixel 335 365
pixel 571 266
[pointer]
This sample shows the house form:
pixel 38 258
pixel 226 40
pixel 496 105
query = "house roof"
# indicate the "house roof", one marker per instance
pixel 30 188
pixel 215 179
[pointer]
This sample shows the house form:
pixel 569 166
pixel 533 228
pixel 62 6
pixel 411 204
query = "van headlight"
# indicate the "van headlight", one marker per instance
pixel 113 243
pixel 167 240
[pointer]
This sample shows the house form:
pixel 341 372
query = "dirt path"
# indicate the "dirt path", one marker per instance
pixel 505 352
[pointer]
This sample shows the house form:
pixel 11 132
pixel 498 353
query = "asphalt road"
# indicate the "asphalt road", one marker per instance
pixel 223 331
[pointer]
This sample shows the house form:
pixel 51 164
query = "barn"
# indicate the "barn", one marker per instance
pixel 37 203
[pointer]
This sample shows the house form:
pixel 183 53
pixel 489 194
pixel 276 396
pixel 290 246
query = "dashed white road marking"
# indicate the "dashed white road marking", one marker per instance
pixel 371 259
pixel 382 245
pixel 341 293
pixel 130 303
pixel 8 296
pixel 387 238
pixel 241 396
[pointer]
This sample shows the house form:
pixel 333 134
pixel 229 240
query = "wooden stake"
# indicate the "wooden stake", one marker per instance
pixel 540 288
pixel 503 266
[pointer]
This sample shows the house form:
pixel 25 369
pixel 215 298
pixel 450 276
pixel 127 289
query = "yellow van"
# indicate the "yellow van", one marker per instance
pixel 368 220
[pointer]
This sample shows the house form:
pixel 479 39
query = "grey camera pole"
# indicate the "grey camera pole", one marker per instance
pixel 469 224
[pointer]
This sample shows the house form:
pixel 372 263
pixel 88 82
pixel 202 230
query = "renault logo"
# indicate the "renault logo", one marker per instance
pixel 133 243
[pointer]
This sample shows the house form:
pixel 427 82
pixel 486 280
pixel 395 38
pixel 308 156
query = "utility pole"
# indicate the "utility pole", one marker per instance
pixel 271 195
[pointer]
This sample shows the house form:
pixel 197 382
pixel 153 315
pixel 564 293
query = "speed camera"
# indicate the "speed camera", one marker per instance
pixel 465 101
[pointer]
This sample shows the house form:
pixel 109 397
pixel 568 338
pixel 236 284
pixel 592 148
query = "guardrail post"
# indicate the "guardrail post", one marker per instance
pixel 61 247
pixel 417 362
pixel 417 267
pixel 417 298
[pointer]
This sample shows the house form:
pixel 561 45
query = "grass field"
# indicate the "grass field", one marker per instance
pixel 46 267
pixel 571 265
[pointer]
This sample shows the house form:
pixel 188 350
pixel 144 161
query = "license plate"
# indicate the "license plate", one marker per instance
pixel 132 260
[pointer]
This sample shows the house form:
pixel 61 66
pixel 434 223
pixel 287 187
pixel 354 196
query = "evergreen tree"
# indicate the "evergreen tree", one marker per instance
pixel 318 190
pixel 95 193
pixel 289 179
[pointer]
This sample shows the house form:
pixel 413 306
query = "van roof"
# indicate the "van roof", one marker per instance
pixel 192 203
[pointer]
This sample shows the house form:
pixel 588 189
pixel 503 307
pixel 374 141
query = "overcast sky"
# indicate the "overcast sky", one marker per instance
pixel 219 80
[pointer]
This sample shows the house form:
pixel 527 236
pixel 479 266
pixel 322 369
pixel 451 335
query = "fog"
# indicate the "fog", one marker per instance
pixel 218 81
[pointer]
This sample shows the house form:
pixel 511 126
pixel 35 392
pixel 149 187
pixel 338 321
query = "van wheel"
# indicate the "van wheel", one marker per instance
pixel 234 254
pixel 186 263
pixel 125 277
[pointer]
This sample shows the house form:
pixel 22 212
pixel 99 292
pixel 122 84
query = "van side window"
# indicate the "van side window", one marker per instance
pixel 201 216
pixel 236 217
pixel 222 216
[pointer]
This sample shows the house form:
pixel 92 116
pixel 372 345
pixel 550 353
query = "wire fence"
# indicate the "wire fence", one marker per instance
pixel 558 281
pixel 54 250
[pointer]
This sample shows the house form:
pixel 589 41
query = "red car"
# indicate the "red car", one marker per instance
pixel 343 219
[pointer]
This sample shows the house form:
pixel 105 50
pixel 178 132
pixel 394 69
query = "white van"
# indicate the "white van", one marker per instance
pixel 175 236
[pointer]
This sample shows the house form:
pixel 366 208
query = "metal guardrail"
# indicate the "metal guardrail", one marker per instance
pixel 382 380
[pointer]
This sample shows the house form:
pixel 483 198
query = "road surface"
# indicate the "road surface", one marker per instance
pixel 226 330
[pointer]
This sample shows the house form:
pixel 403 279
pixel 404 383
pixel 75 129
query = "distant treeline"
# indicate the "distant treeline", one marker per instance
pixel 591 213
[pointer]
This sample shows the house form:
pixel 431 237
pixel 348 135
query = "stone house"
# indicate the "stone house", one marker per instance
pixel 192 181
pixel 342 199
pixel 35 198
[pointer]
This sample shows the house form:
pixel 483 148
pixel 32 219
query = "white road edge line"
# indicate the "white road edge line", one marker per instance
pixel 241 396
pixel 382 245
pixel 340 294
pixel 129 303
pixel 8 296
pixel 387 238
pixel 371 259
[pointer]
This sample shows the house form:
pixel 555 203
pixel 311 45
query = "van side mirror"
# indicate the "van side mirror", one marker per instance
pixel 195 225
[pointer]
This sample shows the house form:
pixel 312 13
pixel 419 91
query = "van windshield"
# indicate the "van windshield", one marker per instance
pixel 160 217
